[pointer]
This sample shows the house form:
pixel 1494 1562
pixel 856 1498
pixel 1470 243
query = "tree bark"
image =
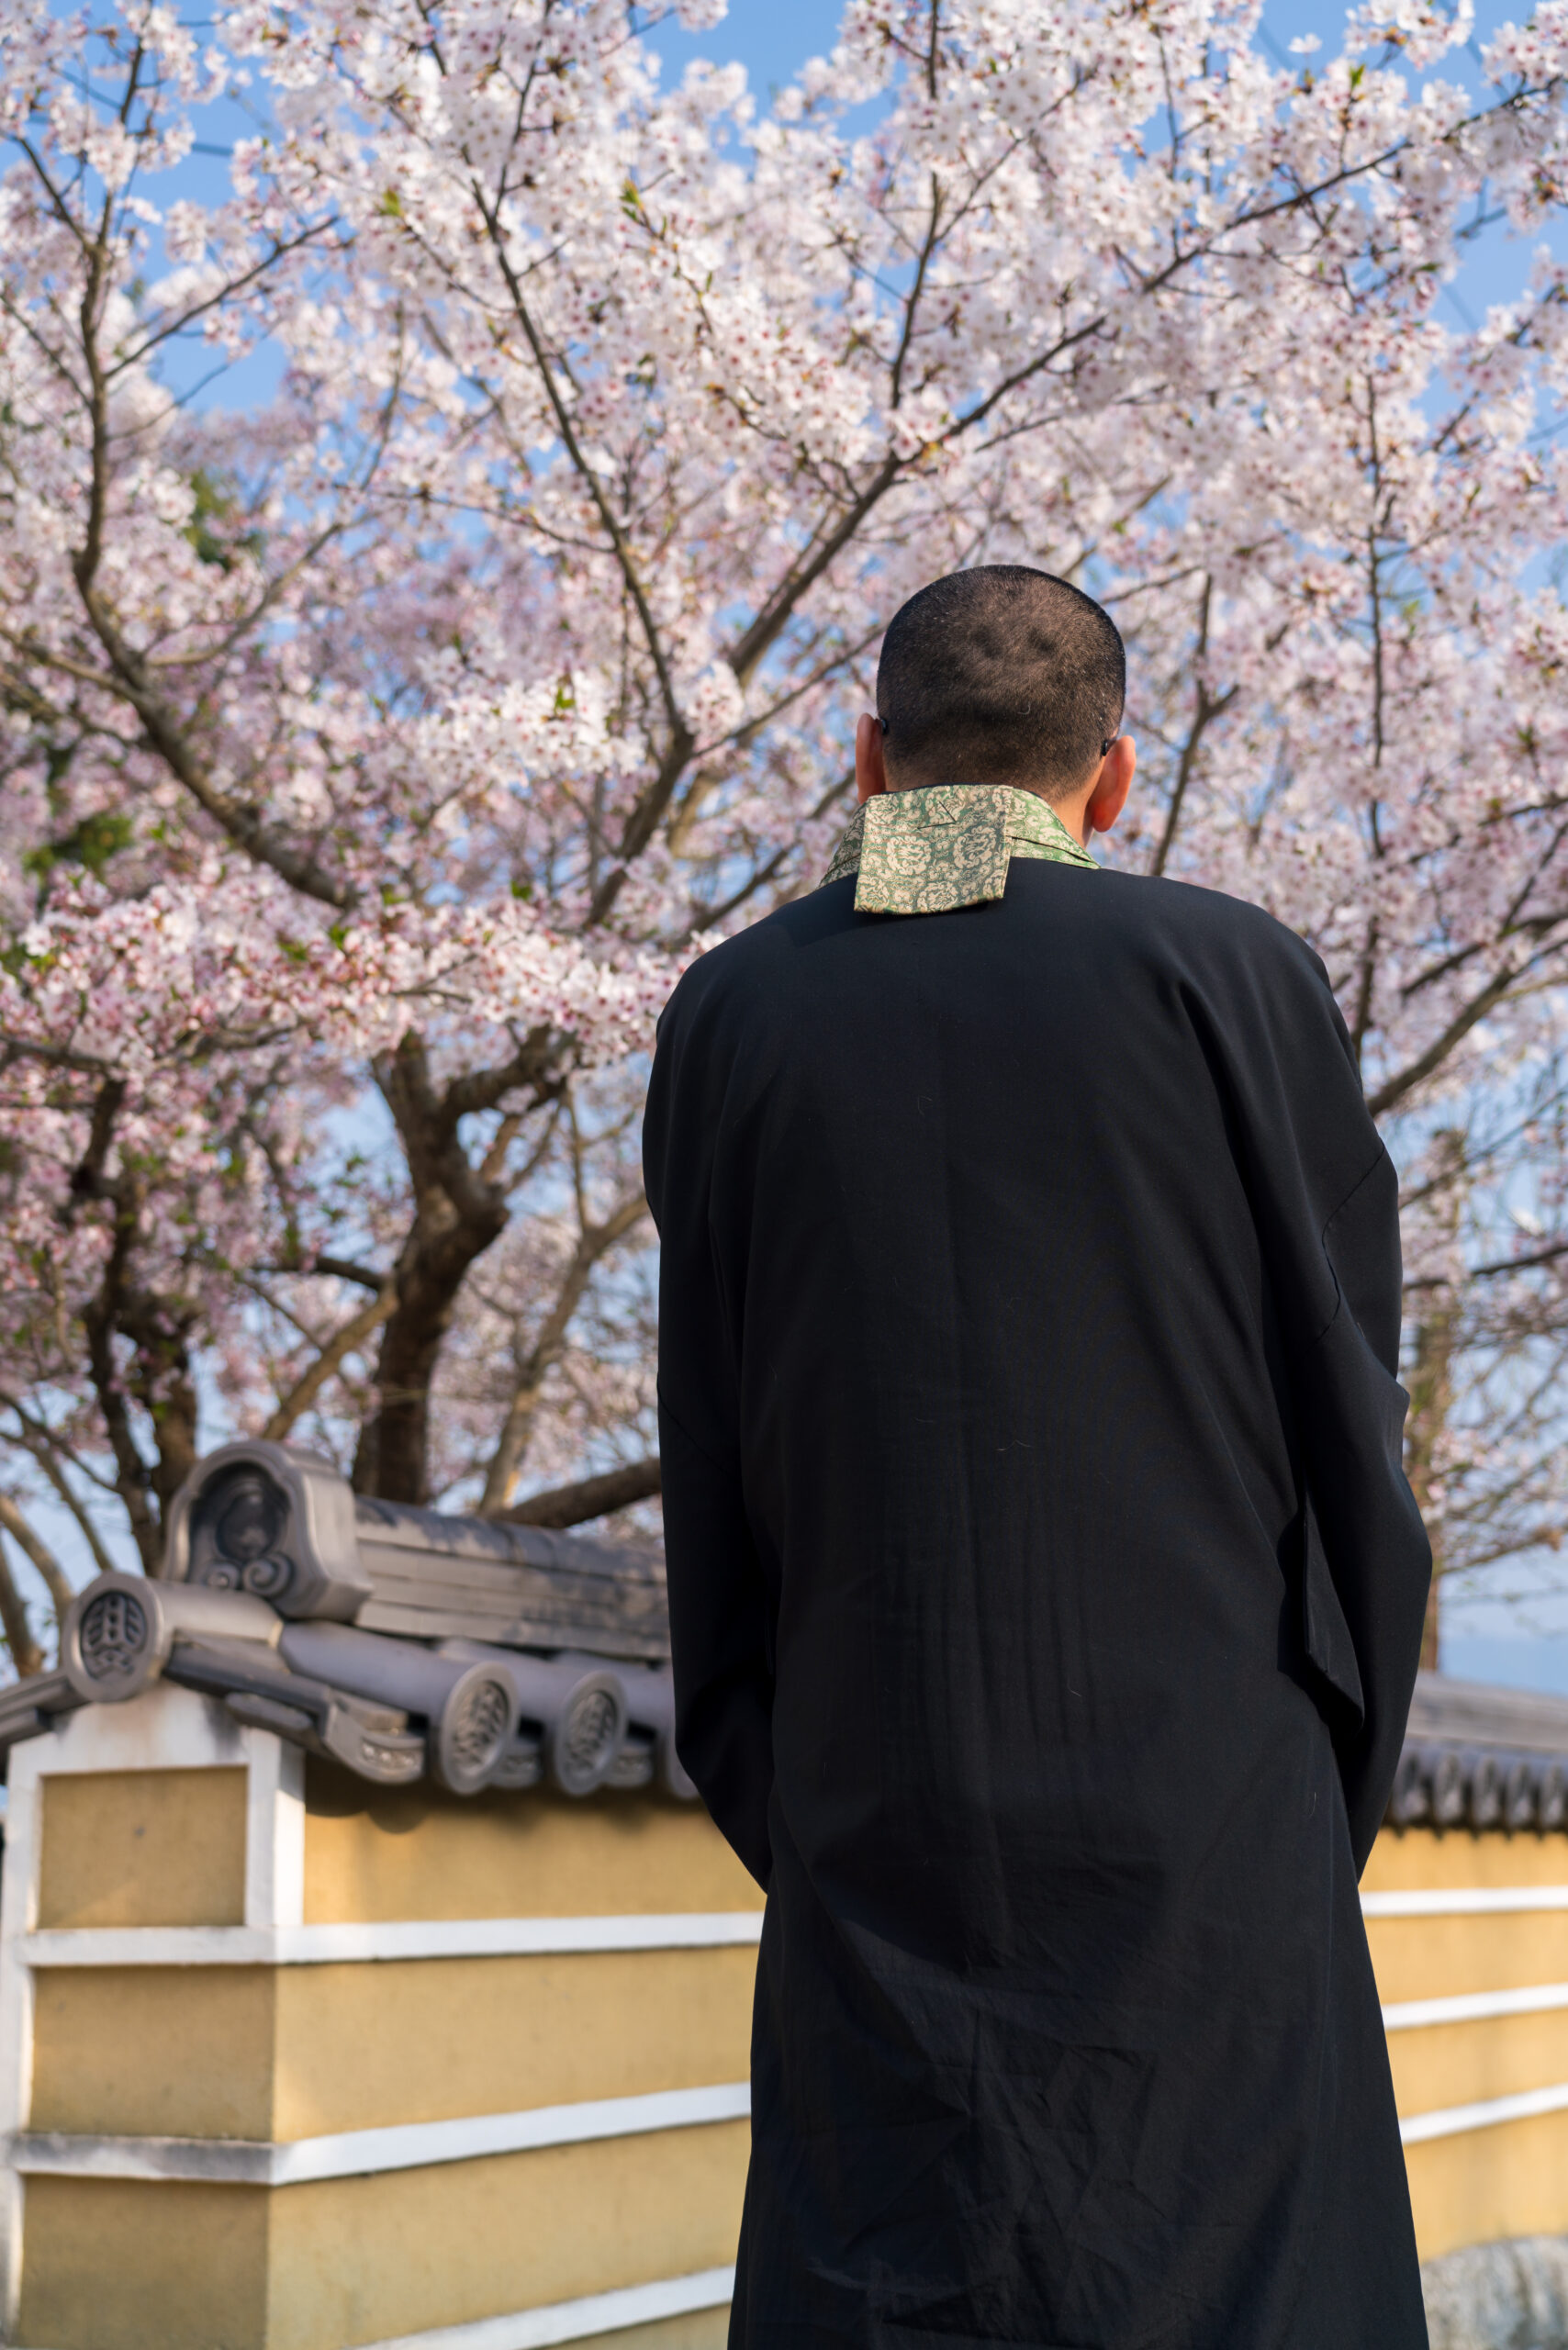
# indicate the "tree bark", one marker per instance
pixel 1431 1649
pixel 590 1497
pixel 1431 1396
pixel 459 1212
pixel 26 1653
pixel 162 1384
pixel 132 1477
pixel 392 1460
pixel 43 1558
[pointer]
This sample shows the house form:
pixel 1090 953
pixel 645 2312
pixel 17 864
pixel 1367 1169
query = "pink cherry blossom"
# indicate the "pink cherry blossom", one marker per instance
pixel 377 757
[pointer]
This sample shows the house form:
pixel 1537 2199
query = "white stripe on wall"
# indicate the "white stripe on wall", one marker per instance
pixel 1465 1901
pixel 1453 2121
pixel 1473 2007
pixel 577 2321
pixel 356 2153
pixel 394 1939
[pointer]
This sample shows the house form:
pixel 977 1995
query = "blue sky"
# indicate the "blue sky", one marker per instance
pixel 772 42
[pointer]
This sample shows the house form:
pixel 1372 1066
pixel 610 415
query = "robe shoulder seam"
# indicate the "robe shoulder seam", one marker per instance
pixel 1359 1184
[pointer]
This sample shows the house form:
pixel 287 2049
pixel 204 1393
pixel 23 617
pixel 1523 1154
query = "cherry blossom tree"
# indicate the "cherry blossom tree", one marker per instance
pixel 377 751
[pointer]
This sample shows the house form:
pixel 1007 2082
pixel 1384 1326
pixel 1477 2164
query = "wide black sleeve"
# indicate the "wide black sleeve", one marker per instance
pixel 720 1614
pixel 1326 1197
pixel 1367 1563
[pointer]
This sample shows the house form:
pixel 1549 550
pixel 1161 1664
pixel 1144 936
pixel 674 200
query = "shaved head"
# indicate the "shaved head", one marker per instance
pixel 1000 674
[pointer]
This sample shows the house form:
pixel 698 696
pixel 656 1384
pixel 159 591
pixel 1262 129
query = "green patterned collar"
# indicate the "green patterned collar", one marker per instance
pixel 930 852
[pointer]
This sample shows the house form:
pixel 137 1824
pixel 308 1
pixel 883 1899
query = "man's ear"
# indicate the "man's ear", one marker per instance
pixel 870 768
pixel 1112 786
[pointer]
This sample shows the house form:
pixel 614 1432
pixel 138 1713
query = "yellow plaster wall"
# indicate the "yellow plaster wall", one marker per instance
pixel 373 1853
pixel 114 2265
pixel 1465 2064
pixel 356 2260
pixel 119 2266
pixel 1428 1958
pixel 1510 2181
pixel 230 2051
pixel 1425 1860
pixel 432 2039
pixel 123 2265
pixel 703 2329
pixel 154 2051
pixel 143 1848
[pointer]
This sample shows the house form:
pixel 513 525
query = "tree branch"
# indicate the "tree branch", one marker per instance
pixel 26 1653
pixel 352 1334
pixel 334 1269
pixel 37 1440
pixel 1438 1051
pixel 1207 709
pixel 594 1240
pixel 565 1505
pixel 49 1567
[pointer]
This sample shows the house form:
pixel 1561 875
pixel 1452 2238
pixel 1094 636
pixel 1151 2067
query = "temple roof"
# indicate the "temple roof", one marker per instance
pixel 394 1641
pixel 1483 1758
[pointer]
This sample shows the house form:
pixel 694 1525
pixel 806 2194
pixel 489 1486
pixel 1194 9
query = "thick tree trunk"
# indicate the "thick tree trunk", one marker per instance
pixel 1430 1650
pixel 1430 1406
pixel 1431 1392
pixel 392 1462
pixel 459 1212
pixel 158 1376
pixel 132 1477
pixel 1431 1395
pixel 161 1380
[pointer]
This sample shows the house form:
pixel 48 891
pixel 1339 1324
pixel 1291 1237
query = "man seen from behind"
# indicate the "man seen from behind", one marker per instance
pixel 1045 1588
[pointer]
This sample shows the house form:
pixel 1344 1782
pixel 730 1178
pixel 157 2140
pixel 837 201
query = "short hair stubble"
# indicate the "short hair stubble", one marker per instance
pixel 1000 674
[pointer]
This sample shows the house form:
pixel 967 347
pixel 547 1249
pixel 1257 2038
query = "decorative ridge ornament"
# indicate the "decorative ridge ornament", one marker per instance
pixel 932 851
pixel 485 1654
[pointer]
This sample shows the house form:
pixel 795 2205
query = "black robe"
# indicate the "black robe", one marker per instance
pixel 1046 1594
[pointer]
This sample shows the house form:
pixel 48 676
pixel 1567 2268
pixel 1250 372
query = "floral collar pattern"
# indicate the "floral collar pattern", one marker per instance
pixel 930 851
